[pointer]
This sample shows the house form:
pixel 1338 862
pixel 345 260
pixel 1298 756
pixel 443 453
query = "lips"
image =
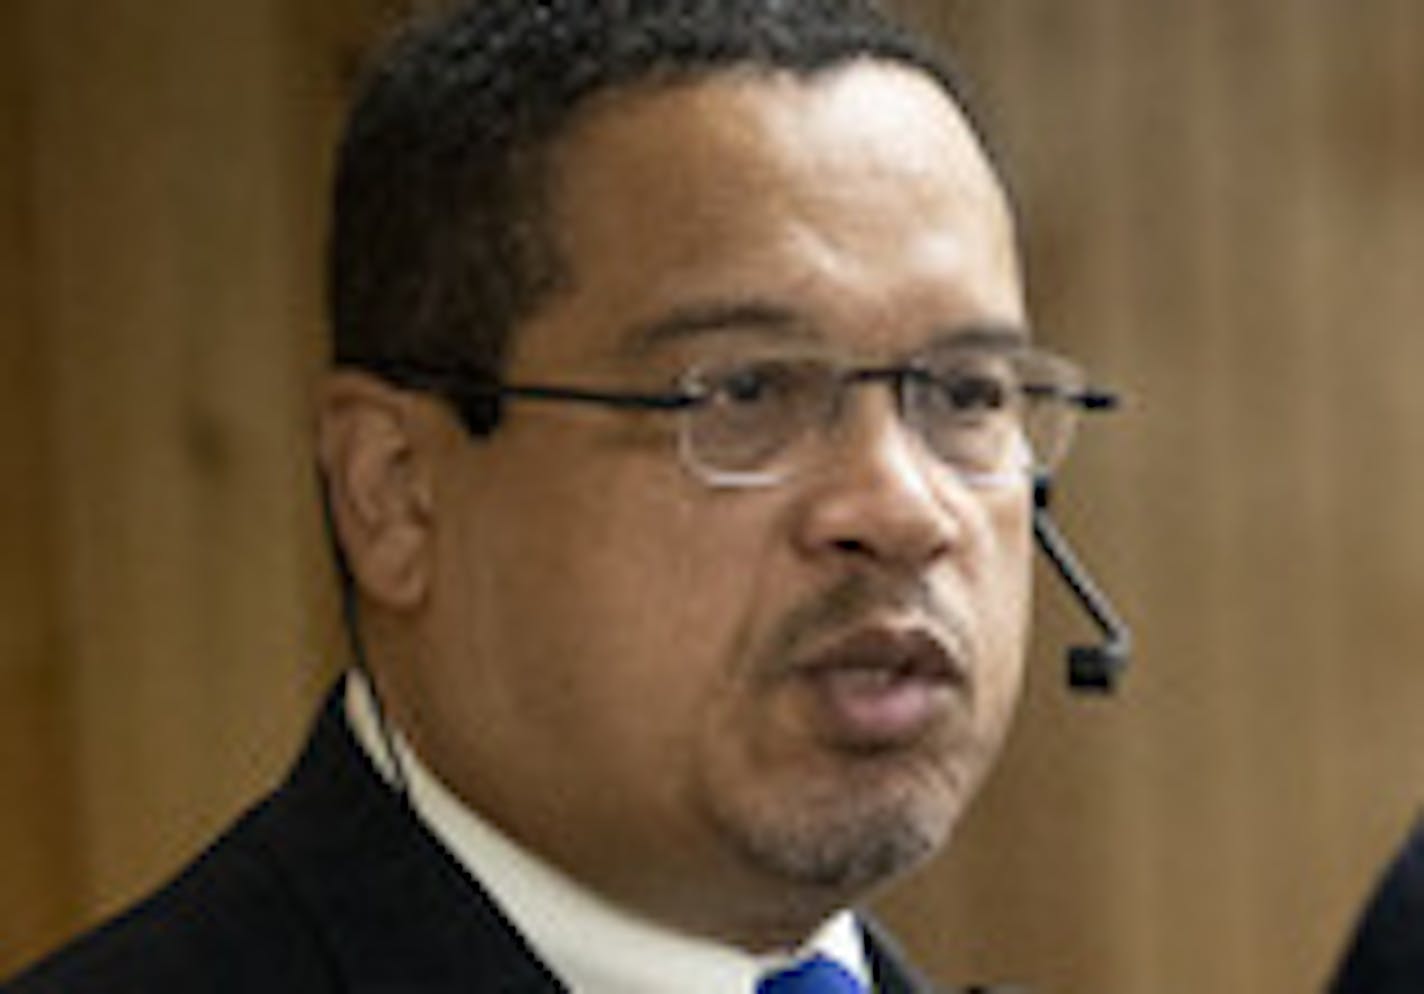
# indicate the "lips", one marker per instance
pixel 880 687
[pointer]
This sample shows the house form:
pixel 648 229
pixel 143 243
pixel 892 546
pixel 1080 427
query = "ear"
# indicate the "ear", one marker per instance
pixel 379 489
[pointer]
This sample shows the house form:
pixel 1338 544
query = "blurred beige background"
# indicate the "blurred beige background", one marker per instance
pixel 1225 218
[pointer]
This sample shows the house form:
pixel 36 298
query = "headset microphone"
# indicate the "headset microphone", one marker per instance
pixel 1091 668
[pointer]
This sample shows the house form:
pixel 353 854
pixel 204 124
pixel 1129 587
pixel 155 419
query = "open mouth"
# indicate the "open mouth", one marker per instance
pixel 880 687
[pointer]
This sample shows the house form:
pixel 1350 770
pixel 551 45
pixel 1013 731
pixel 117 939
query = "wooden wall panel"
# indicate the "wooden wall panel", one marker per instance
pixel 37 892
pixel 174 303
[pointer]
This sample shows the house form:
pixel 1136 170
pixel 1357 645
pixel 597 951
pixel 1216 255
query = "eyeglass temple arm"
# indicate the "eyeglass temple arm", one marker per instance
pixel 1091 668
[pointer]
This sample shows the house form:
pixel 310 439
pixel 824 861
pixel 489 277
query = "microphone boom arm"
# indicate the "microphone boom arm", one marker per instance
pixel 1091 668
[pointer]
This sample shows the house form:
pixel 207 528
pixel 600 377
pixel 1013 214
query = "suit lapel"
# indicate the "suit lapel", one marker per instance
pixel 889 966
pixel 392 908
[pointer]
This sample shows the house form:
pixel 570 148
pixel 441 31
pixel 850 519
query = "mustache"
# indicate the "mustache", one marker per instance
pixel 850 602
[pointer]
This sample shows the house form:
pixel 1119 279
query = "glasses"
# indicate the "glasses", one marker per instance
pixel 994 414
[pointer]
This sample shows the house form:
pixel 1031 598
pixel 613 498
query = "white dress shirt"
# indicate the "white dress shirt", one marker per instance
pixel 592 945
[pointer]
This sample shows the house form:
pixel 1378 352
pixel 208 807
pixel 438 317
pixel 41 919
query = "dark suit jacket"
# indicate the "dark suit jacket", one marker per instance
pixel 329 884
pixel 1387 954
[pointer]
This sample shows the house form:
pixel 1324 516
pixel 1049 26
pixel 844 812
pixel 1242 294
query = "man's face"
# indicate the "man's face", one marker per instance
pixel 735 708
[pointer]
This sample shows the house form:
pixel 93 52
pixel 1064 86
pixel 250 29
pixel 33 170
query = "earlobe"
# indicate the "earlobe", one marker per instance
pixel 378 486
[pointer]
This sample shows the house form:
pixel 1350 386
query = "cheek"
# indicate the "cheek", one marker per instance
pixel 1007 603
pixel 1009 522
pixel 629 606
pixel 683 584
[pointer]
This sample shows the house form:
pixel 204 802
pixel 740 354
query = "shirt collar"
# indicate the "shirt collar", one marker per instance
pixel 592 945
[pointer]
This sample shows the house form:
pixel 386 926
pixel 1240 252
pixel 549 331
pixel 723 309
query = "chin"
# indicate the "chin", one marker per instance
pixel 849 837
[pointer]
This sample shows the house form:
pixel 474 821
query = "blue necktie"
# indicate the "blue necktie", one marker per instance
pixel 818 975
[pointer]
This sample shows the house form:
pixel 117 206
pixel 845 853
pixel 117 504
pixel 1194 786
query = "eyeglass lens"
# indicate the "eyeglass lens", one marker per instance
pixel 985 414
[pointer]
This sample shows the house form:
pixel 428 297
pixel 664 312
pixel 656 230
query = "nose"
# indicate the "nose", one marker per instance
pixel 880 500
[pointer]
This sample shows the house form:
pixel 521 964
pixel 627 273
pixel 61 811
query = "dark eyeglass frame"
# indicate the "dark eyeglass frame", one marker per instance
pixel 478 399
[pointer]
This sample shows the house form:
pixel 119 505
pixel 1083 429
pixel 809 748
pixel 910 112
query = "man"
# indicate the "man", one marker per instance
pixel 1386 955
pixel 679 456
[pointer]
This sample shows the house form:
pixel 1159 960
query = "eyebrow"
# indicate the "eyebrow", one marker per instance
pixel 769 319
pixel 987 335
pixel 716 317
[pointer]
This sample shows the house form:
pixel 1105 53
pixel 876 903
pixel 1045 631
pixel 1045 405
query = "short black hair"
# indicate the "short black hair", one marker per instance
pixel 440 244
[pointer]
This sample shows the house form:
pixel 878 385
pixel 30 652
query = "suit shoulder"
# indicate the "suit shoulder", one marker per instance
pixel 1387 951
pixel 228 923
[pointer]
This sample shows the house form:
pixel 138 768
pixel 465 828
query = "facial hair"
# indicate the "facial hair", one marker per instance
pixel 845 822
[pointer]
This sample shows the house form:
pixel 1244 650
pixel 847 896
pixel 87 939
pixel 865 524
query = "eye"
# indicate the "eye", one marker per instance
pixel 764 396
pixel 973 391
pixel 751 411
pixel 758 383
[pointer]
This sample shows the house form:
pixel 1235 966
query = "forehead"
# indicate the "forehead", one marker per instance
pixel 856 196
